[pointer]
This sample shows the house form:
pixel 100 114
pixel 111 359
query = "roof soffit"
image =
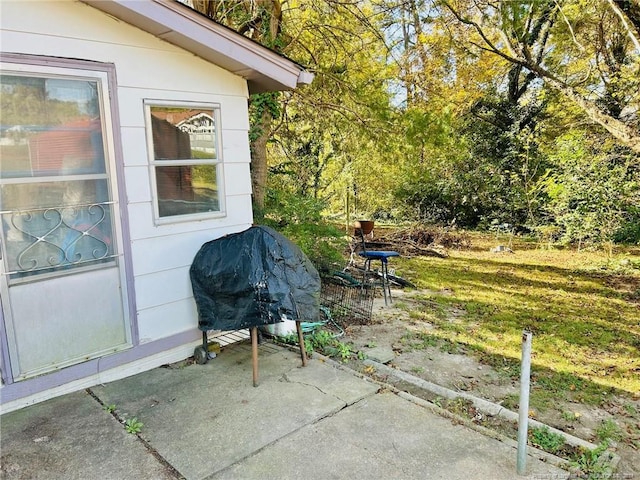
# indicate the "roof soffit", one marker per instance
pixel 179 25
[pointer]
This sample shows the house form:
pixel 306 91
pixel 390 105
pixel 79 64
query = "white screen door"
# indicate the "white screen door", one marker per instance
pixel 62 283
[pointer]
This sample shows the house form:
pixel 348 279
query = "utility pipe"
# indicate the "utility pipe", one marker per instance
pixel 523 418
pixel 489 408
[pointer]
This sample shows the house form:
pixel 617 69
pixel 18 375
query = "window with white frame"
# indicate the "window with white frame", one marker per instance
pixel 186 166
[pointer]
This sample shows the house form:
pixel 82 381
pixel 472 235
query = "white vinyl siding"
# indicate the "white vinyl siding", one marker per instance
pixel 149 68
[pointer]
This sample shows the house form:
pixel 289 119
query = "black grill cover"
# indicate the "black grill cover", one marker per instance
pixel 253 278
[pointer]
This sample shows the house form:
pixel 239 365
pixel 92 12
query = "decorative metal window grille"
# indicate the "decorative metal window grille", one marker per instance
pixel 56 238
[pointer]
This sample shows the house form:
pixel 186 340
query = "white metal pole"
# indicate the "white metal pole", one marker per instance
pixel 523 420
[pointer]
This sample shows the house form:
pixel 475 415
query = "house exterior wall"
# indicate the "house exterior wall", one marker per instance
pixel 147 68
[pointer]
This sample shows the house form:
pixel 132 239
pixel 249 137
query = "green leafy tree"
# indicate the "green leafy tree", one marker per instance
pixel 593 190
pixel 585 50
pixel 504 138
pixel 330 137
pixel 514 76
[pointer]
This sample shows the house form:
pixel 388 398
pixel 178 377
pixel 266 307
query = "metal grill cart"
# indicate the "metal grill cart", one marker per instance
pixel 250 279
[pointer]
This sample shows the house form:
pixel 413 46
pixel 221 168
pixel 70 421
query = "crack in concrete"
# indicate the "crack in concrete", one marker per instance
pixel 346 403
pixel 121 420
pixel 286 379
pixel 322 417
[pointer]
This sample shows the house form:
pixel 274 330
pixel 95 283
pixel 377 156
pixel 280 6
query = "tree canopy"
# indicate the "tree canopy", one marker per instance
pixel 465 112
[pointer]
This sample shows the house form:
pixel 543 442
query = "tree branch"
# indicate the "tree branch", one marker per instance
pixel 625 133
pixel 478 29
pixel 626 10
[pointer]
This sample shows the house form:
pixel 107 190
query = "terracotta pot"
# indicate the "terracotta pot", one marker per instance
pixel 365 225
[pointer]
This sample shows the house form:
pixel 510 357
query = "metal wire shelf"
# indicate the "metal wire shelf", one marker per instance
pixel 348 301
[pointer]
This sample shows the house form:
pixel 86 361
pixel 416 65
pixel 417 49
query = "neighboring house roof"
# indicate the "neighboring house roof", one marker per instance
pixel 264 69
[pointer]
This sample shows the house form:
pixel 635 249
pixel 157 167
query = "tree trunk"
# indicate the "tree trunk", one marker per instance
pixel 619 130
pixel 259 166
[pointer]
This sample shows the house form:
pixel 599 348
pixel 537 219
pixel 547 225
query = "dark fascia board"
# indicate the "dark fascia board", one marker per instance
pixel 180 25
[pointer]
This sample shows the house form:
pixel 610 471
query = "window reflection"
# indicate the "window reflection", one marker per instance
pixel 183 134
pixel 185 158
pixel 49 127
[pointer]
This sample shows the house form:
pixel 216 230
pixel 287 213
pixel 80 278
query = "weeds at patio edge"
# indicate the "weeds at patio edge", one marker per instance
pixel 323 341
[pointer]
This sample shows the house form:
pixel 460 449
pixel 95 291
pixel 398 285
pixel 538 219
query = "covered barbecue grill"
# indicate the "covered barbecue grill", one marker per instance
pixel 253 278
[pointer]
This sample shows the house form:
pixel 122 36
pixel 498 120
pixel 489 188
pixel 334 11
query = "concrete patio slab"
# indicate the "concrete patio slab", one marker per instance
pixel 204 418
pixel 386 437
pixel 209 422
pixel 72 438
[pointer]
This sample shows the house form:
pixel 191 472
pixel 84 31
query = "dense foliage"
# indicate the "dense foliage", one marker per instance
pixel 458 112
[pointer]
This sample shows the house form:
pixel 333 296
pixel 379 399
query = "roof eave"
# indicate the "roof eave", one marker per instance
pixel 264 69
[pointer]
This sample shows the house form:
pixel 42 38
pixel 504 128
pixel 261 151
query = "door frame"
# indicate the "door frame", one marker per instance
pixel 113 145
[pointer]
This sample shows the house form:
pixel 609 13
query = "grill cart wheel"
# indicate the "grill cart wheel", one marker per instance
pixel 200 355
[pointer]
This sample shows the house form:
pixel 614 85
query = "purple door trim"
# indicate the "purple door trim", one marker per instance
pixel 24 388
pixel 110 70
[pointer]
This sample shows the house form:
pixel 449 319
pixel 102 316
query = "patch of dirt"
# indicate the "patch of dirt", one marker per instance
pixel 459 370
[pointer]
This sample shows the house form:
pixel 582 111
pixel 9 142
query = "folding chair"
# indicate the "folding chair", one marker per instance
pixel 365 228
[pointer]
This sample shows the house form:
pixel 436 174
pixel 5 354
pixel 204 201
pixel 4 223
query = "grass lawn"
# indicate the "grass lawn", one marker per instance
pixel 582 307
